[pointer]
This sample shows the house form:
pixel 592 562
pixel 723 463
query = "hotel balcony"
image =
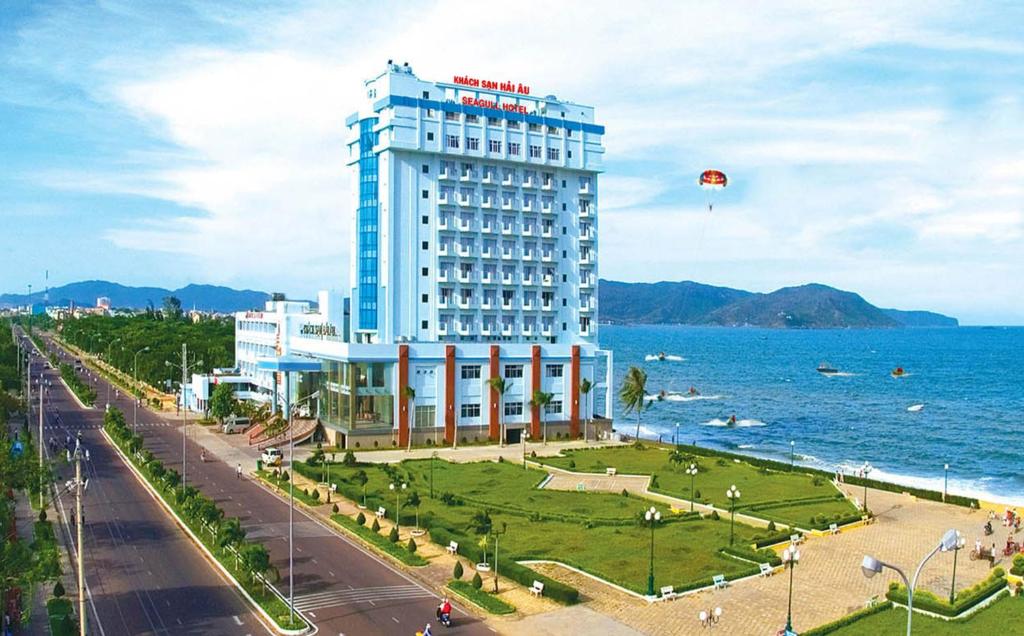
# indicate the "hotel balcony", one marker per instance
pixel 508 255
pixel 547 330
pixel 548 184
pixel 529 305
pixel 444 302
pixel 585 188
pixel 529 255
pixel 467 175
pixel 465 250
pixel 487 330
pixel 445 222
pixel 529 229
pixel 548 306
pixel 547 281
pixel 506 303
pixel 587 236
pixel 487 277
pixel 465 303
pixel 587 307
pixel 465 224
pixel 508 180
pixel 586 333
pixel 487 252
pixel 586 258
pixel 530 279
pixel 586 212
pixel 506 329
pixel 445 249
pixel 527 329
pixel 487 203
pixel 465 277
pixel 547 256
pixel 486 228
pixel 465 200
pixel 445 275
pixel 464 329
pixel 443 198
pixel 507 278
pixel 547 232
pixel 547 207
pixel 527 205
pixel 489 178
pixel 487 303
pixel 446 173
pixel 586 283
pixel 530 182
pixel 507 204
pixel 443 328
pixel 508 229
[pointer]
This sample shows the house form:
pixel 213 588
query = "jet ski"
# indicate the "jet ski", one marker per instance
pixel 898 372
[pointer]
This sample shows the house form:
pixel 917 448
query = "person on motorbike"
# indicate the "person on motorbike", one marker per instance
pixel 446 612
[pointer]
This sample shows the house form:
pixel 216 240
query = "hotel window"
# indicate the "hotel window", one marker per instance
pixel 554 370
pixel 430 136
pixel 494 145
pixel 472 143
pixel 513 371
pixel 553 407
pixel 430 113
pixel 425 414
pixel 450 116
pixel 426 194
pixel 451 141
pixel 552 130
pixel 513 408
pixel 425 271
pixel 472 119
pixel 426 94
pixel 568 132
pixel 494 121
pixel 423 324
pixel 535 152
pixel 514 148
pixel 553 154
pixel 471 410
pixel 534 127
pixel 513 125
pixel 471 372
pixel 425 298
pixel 426 169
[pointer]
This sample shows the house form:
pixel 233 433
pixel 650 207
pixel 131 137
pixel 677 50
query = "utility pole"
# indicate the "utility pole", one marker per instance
pixel 184 410
pixel 40 443
pixel 81 546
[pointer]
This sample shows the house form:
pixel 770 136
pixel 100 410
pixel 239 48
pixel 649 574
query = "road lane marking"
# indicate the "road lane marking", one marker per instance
pixel 238 621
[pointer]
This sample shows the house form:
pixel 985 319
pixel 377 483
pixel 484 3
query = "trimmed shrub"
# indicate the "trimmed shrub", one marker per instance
pixel 376 525
pixel 572 463
pixel 335 509
pixel 284 475
pixel 457 571
pixel 349 459
pixel 477 581
pixel 360 518
pixel 965 600
pixel 411 546
pixel 715 515
pixel 849 619
pixel 771 526
pixel 58 590
pixel 1018 565
pixel 42 515
pixel 393 536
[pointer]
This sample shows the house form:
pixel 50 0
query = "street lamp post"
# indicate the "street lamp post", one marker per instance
pixel 871 566
pixel 692 472
pixel 433 456
pixel 956 550
pixel 135 381
pixel 792 454
pixel 291 494
pixel 710 617
pixel 652 517
pixel 675 438
pixel 397 489
pixel 790 557
pixel 945 481
pixel 864 470
pixel 107 360
pixel 185 367
pixel 526 436
pixel 733 494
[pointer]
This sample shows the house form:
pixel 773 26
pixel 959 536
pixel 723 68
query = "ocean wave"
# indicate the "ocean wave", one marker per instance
pixel 738 424
pixel 745 446
pixel 964 487
pixel 681 397
pixel 656 358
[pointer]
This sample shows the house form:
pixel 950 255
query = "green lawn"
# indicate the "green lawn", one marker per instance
pixel 999 618
pixel 594 531
pixel 715 476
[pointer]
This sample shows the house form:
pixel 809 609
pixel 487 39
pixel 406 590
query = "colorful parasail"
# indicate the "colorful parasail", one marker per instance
pixel 712 181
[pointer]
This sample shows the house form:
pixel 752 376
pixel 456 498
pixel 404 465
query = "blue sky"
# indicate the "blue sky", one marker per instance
pixel 872 147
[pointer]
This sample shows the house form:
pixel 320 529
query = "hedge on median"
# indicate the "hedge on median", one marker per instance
pixel 965 599
pixel 849 619
pixel 379 541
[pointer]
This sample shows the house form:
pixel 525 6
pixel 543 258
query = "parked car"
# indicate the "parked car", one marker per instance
pixel 235 424
pixel 272 457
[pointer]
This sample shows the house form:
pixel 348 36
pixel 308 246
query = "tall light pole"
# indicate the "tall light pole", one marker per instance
pixel 526 436
pixel 135 381
pixel 956 550
pixel 185 367
pixel 792 454
pixel 790 557
pixel 871 566
pixel 109 345
pixel 652 517
pixel 433 456
pixel 82 617
pixel 692 472
pixel 864 470
pixel 291 493
pixel 675 438
pixel 397 489
pixel 40 441
pixel 733 494
pixel 945 481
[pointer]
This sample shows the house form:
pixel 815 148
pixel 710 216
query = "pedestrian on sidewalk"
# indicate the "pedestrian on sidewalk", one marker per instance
pixel 238 470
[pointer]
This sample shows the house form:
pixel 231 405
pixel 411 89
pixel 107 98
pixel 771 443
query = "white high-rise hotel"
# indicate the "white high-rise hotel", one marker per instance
pixel 473 256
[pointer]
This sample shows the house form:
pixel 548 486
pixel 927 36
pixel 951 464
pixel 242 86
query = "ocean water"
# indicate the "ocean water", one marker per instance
pixel 961 401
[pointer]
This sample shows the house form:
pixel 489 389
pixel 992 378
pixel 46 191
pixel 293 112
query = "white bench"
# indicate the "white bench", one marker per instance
pixel 667 593
pixel 833 528
pixel 537 589
pixel 719 581
pixel 609 471
pixel 453 548
pixel 766 569
pixel 795 539
pixel 380 512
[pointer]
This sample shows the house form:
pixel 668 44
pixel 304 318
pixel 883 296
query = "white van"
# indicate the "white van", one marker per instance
pixel 235 424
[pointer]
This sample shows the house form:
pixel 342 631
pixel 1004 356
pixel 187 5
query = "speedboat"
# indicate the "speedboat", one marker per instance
pixel 826 369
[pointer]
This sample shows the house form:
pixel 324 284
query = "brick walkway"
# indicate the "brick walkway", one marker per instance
pixel 828 582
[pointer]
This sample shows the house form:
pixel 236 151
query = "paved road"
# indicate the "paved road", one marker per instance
pixel 340 587
pixel 143 574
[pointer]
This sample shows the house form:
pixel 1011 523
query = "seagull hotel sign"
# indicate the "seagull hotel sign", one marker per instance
pixel 491 85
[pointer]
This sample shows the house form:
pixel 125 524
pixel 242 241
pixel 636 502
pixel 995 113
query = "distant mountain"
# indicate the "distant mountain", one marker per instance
pixel 921 318
pixel 202 297
pixel 664 302
pixel 811 306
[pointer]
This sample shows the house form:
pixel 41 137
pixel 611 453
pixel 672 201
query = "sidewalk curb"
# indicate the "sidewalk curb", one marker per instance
pixel 268 621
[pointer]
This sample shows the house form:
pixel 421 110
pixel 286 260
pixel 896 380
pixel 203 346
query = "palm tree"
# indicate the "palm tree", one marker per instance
pixel 541 400
pixel 480 523
pixel 634 393
pixel 410 395
pixel 499 386
pixel 585 387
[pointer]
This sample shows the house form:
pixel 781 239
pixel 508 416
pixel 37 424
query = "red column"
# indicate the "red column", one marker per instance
pixel 403 401
pixel 574 393
pixel 494 422
pixel 449 394
pixel 534 410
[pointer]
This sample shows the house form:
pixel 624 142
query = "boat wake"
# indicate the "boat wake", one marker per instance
pixel 681 397
pixel 839 374
pixel 738 424
pixel 663 358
